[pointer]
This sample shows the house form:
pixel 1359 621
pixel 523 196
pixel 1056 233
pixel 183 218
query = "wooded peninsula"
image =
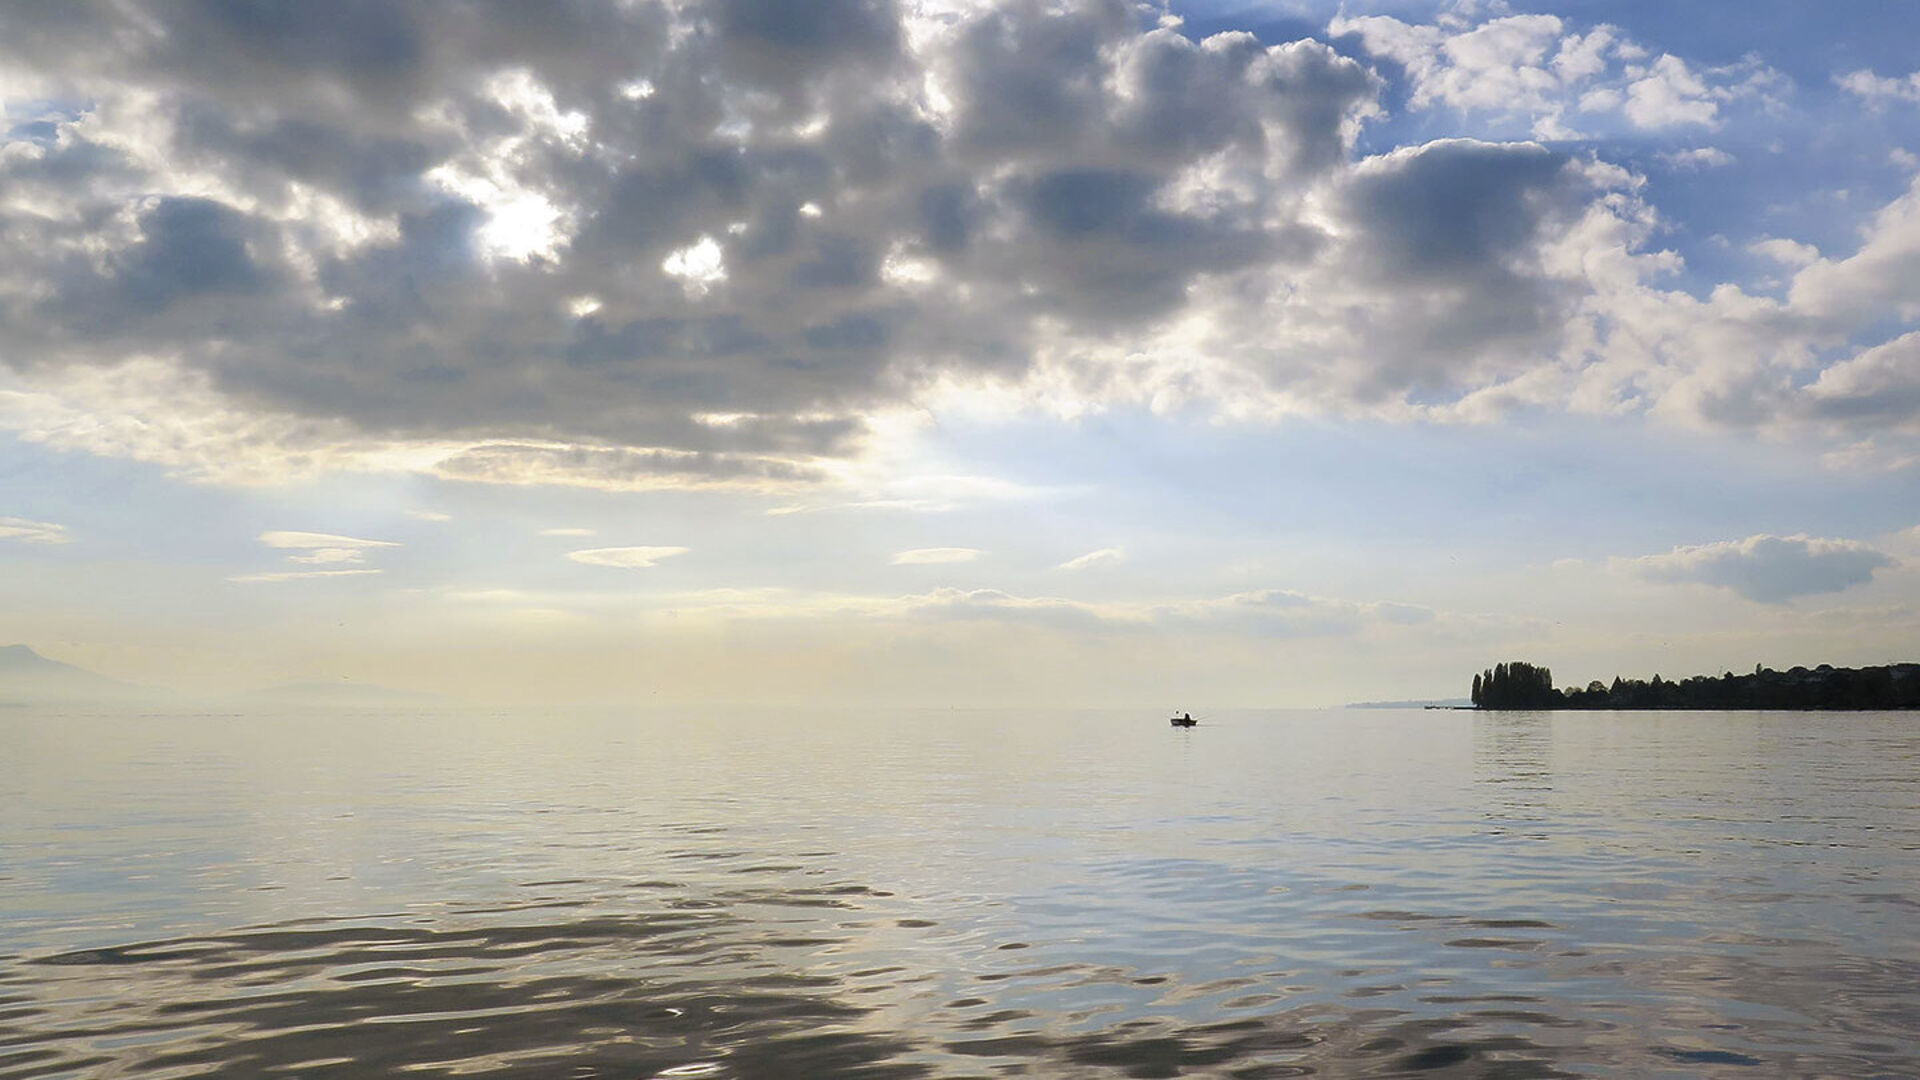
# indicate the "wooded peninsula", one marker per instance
pixel 1520 685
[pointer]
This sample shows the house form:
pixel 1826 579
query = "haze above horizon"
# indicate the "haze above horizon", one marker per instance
pixel 936 352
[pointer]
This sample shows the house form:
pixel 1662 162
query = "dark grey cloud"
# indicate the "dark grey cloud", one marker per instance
pixel 814 32
pixel 1452 233
pixel 604 224
pixel 187 248
pixel 1766 569
pixel 1455 206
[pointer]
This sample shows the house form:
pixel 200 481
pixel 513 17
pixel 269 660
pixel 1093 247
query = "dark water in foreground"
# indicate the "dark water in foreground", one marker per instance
pixel 906 895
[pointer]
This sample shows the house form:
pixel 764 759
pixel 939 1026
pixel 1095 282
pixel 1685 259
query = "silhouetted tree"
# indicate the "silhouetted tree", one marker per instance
pixel 1516 684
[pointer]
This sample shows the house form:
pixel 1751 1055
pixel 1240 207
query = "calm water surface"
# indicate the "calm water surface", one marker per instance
pixel 960 894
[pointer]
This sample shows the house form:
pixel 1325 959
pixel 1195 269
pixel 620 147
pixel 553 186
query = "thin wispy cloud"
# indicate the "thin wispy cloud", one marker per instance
pixel 935 556
pixel 1698 159
pixel 318 549
pixel 25 531
pixel 569 531
pixel 1102 557
pixel 626 558
pixel 1267 613
pixel 297 575
pixel 429 515
pixel 326 555
pixel 287 539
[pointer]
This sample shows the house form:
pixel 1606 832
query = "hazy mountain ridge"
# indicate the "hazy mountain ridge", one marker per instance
pixel 26 676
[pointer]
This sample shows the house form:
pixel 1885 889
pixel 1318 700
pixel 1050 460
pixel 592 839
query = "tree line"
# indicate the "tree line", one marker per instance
pixel 1520 685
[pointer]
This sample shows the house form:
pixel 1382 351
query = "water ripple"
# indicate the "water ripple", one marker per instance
pixel 1722 895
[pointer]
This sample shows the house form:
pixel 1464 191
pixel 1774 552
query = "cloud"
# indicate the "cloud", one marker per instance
pixel 616 468
pixel 316 549
pixel 1764 569
pixel 297 575
pixel 1698 159
pixel 1880 384
pixel 1286 613
pixel 1786 252
pixel 1269 613
pixel 286 539
pixel 429 515
pixel 1881 277
pixel 1877 90
pixel 1869 455
pixel 1102 557
pixel 934 556
pixel 33 532
pixel 569 532
pixel 1669 94
pixel 665 246
pixel 326 555
pixel 1542 71
pixel 547 251
pixel 627 558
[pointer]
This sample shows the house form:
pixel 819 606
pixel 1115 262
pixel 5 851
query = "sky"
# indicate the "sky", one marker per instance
pixel 948 353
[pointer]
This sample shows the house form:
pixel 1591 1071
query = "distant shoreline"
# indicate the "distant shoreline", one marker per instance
pixel 1518 685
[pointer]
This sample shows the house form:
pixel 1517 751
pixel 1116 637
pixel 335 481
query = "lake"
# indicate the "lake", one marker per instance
pixel 959 894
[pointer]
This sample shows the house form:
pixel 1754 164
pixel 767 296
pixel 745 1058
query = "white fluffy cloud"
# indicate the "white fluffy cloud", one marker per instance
pixel 1881 384
pixel 1558 79
pixel 1765 569
pixel 1786 252
pixel 1878 90
pixel 625 558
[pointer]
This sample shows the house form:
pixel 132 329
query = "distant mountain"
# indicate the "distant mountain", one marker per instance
pixel 1415 703
pixel 27 677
